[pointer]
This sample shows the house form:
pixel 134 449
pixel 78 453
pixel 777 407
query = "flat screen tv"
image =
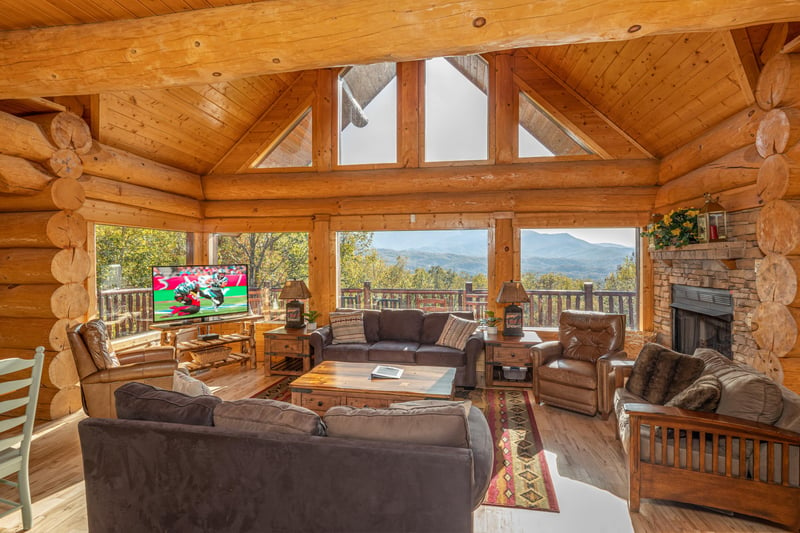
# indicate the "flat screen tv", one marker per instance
pixel 192 292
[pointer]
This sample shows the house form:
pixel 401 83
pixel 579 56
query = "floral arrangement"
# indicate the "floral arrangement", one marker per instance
pixel 678 228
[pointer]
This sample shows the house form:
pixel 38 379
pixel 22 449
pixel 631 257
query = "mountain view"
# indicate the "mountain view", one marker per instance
pixel 466 251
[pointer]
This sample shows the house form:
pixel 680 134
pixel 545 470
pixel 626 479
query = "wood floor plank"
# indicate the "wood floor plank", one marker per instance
pixel 586 462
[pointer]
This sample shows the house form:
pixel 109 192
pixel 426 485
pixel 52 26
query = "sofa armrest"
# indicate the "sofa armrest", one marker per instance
pixel 133 372
pixel 472 352
pixel 318 339
pixel 544 352
pixel 145 354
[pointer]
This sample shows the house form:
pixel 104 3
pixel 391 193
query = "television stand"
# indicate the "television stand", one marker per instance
pixel 197 353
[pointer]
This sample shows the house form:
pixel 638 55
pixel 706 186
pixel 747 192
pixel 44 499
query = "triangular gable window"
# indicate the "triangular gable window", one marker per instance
pixel 293 149
pixel 541 136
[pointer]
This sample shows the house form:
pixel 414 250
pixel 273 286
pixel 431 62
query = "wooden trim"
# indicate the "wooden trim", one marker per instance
pixel 744 62
pixel 226 43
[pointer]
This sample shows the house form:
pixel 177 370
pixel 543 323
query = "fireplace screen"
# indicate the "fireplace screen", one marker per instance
pixel 701 318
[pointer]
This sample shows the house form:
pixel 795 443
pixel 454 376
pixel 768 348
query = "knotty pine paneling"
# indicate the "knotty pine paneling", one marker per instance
pixel 662 90
pixel 188 127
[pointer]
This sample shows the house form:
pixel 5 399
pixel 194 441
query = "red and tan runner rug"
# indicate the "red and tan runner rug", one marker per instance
pixel 277 391
pixel 520 477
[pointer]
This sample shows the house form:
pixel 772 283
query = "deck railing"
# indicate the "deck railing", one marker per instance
pixel 129 311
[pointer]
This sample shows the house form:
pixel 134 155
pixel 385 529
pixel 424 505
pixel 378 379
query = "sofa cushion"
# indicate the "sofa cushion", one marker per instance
pixel 433 355
pixel 433 324
pixel 186 384
pixel 393 351
pixel 347 327
pixel 660 373
pixel 702 395
pixel 444 425
pixel 456 332
pixel 746 393
pixel 139 401
pixel 353 353
pixel 790 417
pixel 95 335
pixel 401 325
pixel 256 414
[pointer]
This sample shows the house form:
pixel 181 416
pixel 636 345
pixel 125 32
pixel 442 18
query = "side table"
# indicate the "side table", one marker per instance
pixel 287 352
pixel 510 352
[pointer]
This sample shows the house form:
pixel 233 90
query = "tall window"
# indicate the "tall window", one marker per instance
pixel 433 270
pixel 456 109
pixel 124 260
pixel 272 259
pixel 368 114
pixel 593 269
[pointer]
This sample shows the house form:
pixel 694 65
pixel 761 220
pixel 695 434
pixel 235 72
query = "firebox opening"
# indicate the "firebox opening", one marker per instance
pixel 701 318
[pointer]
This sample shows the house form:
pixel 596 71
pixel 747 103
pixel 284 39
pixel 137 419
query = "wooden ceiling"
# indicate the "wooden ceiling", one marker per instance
pixel 656 92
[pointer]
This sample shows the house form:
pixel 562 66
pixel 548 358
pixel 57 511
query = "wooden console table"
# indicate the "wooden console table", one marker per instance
pixel 186 338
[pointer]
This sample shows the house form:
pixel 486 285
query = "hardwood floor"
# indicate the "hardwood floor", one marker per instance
pixel 585 460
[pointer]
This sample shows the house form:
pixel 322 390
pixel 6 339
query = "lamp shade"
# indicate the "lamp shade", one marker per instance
pixel 294 289
pixel 512 292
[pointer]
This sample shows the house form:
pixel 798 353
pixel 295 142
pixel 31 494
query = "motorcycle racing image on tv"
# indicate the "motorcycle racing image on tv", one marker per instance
pixel 199 291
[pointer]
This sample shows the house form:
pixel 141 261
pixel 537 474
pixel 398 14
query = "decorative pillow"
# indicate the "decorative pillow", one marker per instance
pixel 456 332
pixel 702 395
pixel 444 425
pixel 255 414
pixel 95 336
pixel 660 373
pixel 746 393
pixel 140 401
pixel 347 327
pixel 186 384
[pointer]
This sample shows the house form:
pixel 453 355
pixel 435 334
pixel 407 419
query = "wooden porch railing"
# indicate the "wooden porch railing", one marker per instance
pixel 129 311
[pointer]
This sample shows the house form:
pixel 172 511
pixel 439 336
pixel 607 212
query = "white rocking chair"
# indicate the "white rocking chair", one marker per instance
pixel 16 431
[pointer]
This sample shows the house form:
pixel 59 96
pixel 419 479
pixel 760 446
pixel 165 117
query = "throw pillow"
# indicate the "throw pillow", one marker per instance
pixel 347 327
pixel 702 395
pixel 444 425
pixel 746 393
pixel 255 414
pixel 456 332
pixel 660 373
pixel 186 384
pixel 95 336
pixel 140 401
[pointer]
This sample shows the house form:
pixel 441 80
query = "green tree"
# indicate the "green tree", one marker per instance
pixel 624 278
pixel 272 258
pixel 136 251
pixel 358 259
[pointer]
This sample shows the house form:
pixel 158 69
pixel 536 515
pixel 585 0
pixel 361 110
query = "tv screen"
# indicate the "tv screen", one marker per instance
pixel 198 291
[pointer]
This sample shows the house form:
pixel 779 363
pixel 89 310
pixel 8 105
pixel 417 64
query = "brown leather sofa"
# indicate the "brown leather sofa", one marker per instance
pixel 153 365
pixel 572 371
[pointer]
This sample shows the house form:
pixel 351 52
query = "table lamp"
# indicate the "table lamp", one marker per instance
pixel 512 292
pixel 294 290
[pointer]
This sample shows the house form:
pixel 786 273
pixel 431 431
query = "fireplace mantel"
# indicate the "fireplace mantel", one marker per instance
pixel 726 252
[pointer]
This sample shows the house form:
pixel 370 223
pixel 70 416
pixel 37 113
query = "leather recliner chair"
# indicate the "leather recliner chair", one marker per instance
pixel 152 365
pixel 571 372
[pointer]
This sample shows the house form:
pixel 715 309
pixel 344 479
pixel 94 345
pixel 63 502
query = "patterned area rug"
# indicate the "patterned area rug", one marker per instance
pixel 520 477
pixel 278 391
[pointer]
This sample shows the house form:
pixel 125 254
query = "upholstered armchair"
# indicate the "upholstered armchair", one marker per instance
pixel 572 371
pixel 102 371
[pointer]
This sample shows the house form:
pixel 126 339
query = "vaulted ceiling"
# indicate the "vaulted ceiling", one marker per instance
pixel 636 98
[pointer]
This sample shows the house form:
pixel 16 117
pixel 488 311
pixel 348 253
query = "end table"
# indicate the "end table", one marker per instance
pixel 510 352
pixel 287 352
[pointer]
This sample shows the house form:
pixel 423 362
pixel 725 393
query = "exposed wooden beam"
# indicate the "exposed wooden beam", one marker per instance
pixel 225 43
pixel 479 178
pixel 743 61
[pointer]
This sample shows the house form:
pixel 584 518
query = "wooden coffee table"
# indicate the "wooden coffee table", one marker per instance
pixel 337 383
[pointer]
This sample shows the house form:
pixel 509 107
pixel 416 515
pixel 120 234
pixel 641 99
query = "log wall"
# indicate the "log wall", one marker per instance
pixel 776 320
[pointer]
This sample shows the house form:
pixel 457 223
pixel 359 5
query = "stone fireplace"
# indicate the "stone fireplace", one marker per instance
pixel 704 294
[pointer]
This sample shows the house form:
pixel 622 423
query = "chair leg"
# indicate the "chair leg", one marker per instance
pixel 25 497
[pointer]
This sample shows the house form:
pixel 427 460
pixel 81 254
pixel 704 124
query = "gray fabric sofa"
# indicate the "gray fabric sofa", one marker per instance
pixel 404 337
pixel 146 475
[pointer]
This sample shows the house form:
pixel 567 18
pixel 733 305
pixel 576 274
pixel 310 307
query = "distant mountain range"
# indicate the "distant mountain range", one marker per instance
pixel 466 251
